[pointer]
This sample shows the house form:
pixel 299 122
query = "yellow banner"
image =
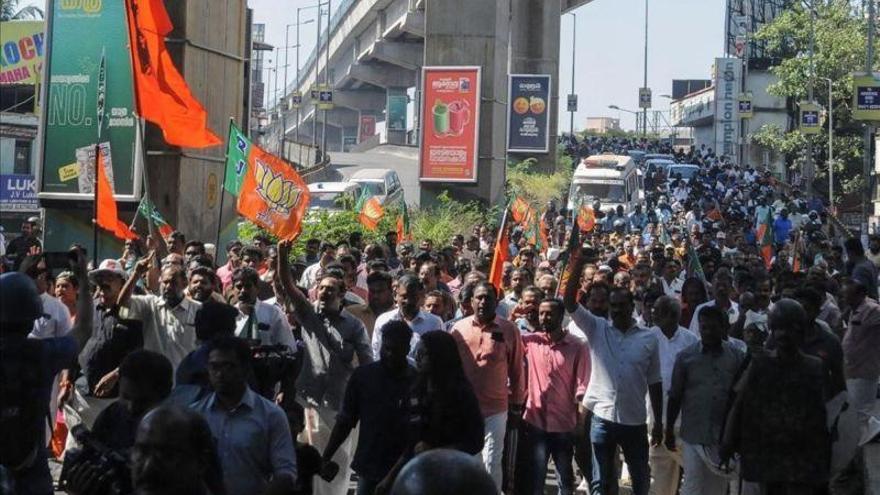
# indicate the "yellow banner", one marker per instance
pixel 21 52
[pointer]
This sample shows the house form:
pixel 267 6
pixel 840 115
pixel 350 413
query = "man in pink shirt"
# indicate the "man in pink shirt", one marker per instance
pixel 558 371
pixel 492 357
pixel 233 261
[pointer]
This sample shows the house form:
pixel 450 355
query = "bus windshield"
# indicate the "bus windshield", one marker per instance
pixel 589 192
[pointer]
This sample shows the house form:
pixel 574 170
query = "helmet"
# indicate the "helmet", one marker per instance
pixel 19 301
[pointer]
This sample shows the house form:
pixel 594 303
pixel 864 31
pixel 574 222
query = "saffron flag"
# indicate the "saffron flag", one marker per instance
pixel 371 213
pixel 161 93
pixel 586 218
pixel 108 216
pixel 403 231
pixel 238 147
pixel 272 194
pixel 149 211
pixel 765 239
pixel 502 254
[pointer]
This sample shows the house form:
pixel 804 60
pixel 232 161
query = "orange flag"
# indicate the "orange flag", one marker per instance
pixel 371 213
pixel 521 211
pixel 161 93
pixel 108 217
pixel 586 218
pixel 273 195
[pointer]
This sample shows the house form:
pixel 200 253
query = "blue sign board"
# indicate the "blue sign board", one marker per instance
pixel 528 113
pixel 18 192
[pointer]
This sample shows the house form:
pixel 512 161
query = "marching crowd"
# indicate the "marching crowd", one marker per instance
pixel 712 340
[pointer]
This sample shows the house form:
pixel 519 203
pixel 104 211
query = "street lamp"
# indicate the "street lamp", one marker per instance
pixel 573 46
pixel 645 85
pixel 286 49
pixel 615 107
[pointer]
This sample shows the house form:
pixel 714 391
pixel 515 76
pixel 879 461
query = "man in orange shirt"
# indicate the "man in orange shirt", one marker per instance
pixel 492 356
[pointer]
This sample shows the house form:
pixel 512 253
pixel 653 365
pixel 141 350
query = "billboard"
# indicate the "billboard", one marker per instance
pixel 727 91
pixel 450 116
pixel 367 127
pixel 528 113
pixel 866 96
pixel 397 112
pixel 18 192
pixel 70 101
pixel 21 52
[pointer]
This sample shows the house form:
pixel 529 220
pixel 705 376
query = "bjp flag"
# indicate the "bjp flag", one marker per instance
pixel 501 255
pixel 371 213
pixel 273 195
pixel 586 218
pixel 161 92
pixel 108 215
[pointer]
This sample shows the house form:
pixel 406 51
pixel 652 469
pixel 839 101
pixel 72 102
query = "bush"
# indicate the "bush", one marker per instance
pixel 538 188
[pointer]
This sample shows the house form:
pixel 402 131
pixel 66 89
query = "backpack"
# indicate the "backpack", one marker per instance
pixel 23 376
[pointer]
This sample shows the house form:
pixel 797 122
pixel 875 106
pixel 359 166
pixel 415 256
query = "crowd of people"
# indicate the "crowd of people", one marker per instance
pixel 688 345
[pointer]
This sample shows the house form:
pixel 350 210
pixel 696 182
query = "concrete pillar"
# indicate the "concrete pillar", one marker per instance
pixel 474 32
pixel 392 101
pixel 534 49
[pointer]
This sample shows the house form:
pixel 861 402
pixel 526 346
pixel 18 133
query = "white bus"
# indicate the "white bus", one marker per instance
pixel 610 179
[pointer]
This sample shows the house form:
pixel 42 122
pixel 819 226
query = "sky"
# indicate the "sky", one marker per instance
pixel 684 38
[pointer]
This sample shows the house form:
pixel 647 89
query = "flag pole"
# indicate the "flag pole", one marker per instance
pixel 223 190
pixel 101 95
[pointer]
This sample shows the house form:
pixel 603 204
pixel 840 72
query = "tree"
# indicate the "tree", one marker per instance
pixel 9 11
pixel 840 39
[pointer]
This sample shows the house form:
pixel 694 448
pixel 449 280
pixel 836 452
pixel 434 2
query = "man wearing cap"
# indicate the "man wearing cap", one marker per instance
pixel 113 338
pixel 169 319
pixel 29 368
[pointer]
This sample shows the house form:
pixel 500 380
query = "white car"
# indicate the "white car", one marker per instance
pixel 381 182
pixel 333 196
pixel 686 171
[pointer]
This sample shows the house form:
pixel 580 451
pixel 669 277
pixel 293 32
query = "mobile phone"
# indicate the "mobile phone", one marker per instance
pixel 58 260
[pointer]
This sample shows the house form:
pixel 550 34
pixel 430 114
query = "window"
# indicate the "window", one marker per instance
pixel 22 164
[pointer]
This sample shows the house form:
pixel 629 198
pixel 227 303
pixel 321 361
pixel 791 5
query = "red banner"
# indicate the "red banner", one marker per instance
pixel 450 122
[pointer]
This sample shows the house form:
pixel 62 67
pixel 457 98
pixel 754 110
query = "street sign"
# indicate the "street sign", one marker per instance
pixel 313 94
pixel 644 97
pixel 325 98
pixel 296 100
pixel 572 103
pixel 745 106
pixel 810 118
pixel 866 96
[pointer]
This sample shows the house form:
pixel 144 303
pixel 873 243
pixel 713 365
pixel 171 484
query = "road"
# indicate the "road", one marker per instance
pixel 402 159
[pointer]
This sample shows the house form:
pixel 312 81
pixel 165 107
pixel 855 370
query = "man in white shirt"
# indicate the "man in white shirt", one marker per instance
pixel 626 367
pixel 671 340
pixel 55 321
pixel 258 320
pixel 310 275
pixel 169 319
pixel 722 288
pixel 671 279
pixel 409 296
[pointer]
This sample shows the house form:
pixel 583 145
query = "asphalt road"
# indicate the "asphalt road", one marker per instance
pixel 402 159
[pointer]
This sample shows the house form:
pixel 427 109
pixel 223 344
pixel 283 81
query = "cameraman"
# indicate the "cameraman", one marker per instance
pixel 145 380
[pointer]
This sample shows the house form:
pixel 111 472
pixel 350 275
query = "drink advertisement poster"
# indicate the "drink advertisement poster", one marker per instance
pixel 450 124
pixel 528 113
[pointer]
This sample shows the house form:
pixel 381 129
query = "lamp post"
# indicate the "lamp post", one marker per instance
pixel 326 78
pixel 287 48
pixel 645 81
pixel 830 145
pixel 615 107
pixel 573 46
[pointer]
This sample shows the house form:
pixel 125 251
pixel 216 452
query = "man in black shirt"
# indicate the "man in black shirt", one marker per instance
pixel 21 246
pixel 376 396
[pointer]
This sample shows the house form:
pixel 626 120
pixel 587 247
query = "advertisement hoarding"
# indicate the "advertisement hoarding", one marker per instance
pixel 528 113
pixel 397 112
pixel 450 116
pixel 21 51
pixel 727 91
pixel 18 192
pixel 70 105
pixel 367 127
pixel 866 96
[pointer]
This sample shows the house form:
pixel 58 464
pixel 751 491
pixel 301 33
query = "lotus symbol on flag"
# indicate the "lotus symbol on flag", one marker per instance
pixel 371 210
pixel 281 195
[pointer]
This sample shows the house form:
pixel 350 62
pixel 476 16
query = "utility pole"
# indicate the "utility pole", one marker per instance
pixel 284 94
pixel 866 159
pixel 573 46
pixel 809 171
pixel 830 146
pixel 645 82
pixel 317 59
pixel 326 79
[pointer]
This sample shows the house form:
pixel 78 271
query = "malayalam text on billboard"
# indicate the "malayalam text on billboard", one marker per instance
pixel 450 117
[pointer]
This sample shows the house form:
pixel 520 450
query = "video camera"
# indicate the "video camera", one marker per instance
pixel 110 467
pixel 271 364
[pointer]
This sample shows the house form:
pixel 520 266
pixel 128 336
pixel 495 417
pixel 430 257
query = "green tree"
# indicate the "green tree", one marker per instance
pixel 10 11
pixel 840 38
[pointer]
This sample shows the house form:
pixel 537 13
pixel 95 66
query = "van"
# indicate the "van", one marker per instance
pixel 613 180
pixel 381 182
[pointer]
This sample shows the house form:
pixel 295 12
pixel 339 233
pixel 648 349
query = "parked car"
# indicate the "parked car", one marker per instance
pixel 381 182
pixel 333 196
